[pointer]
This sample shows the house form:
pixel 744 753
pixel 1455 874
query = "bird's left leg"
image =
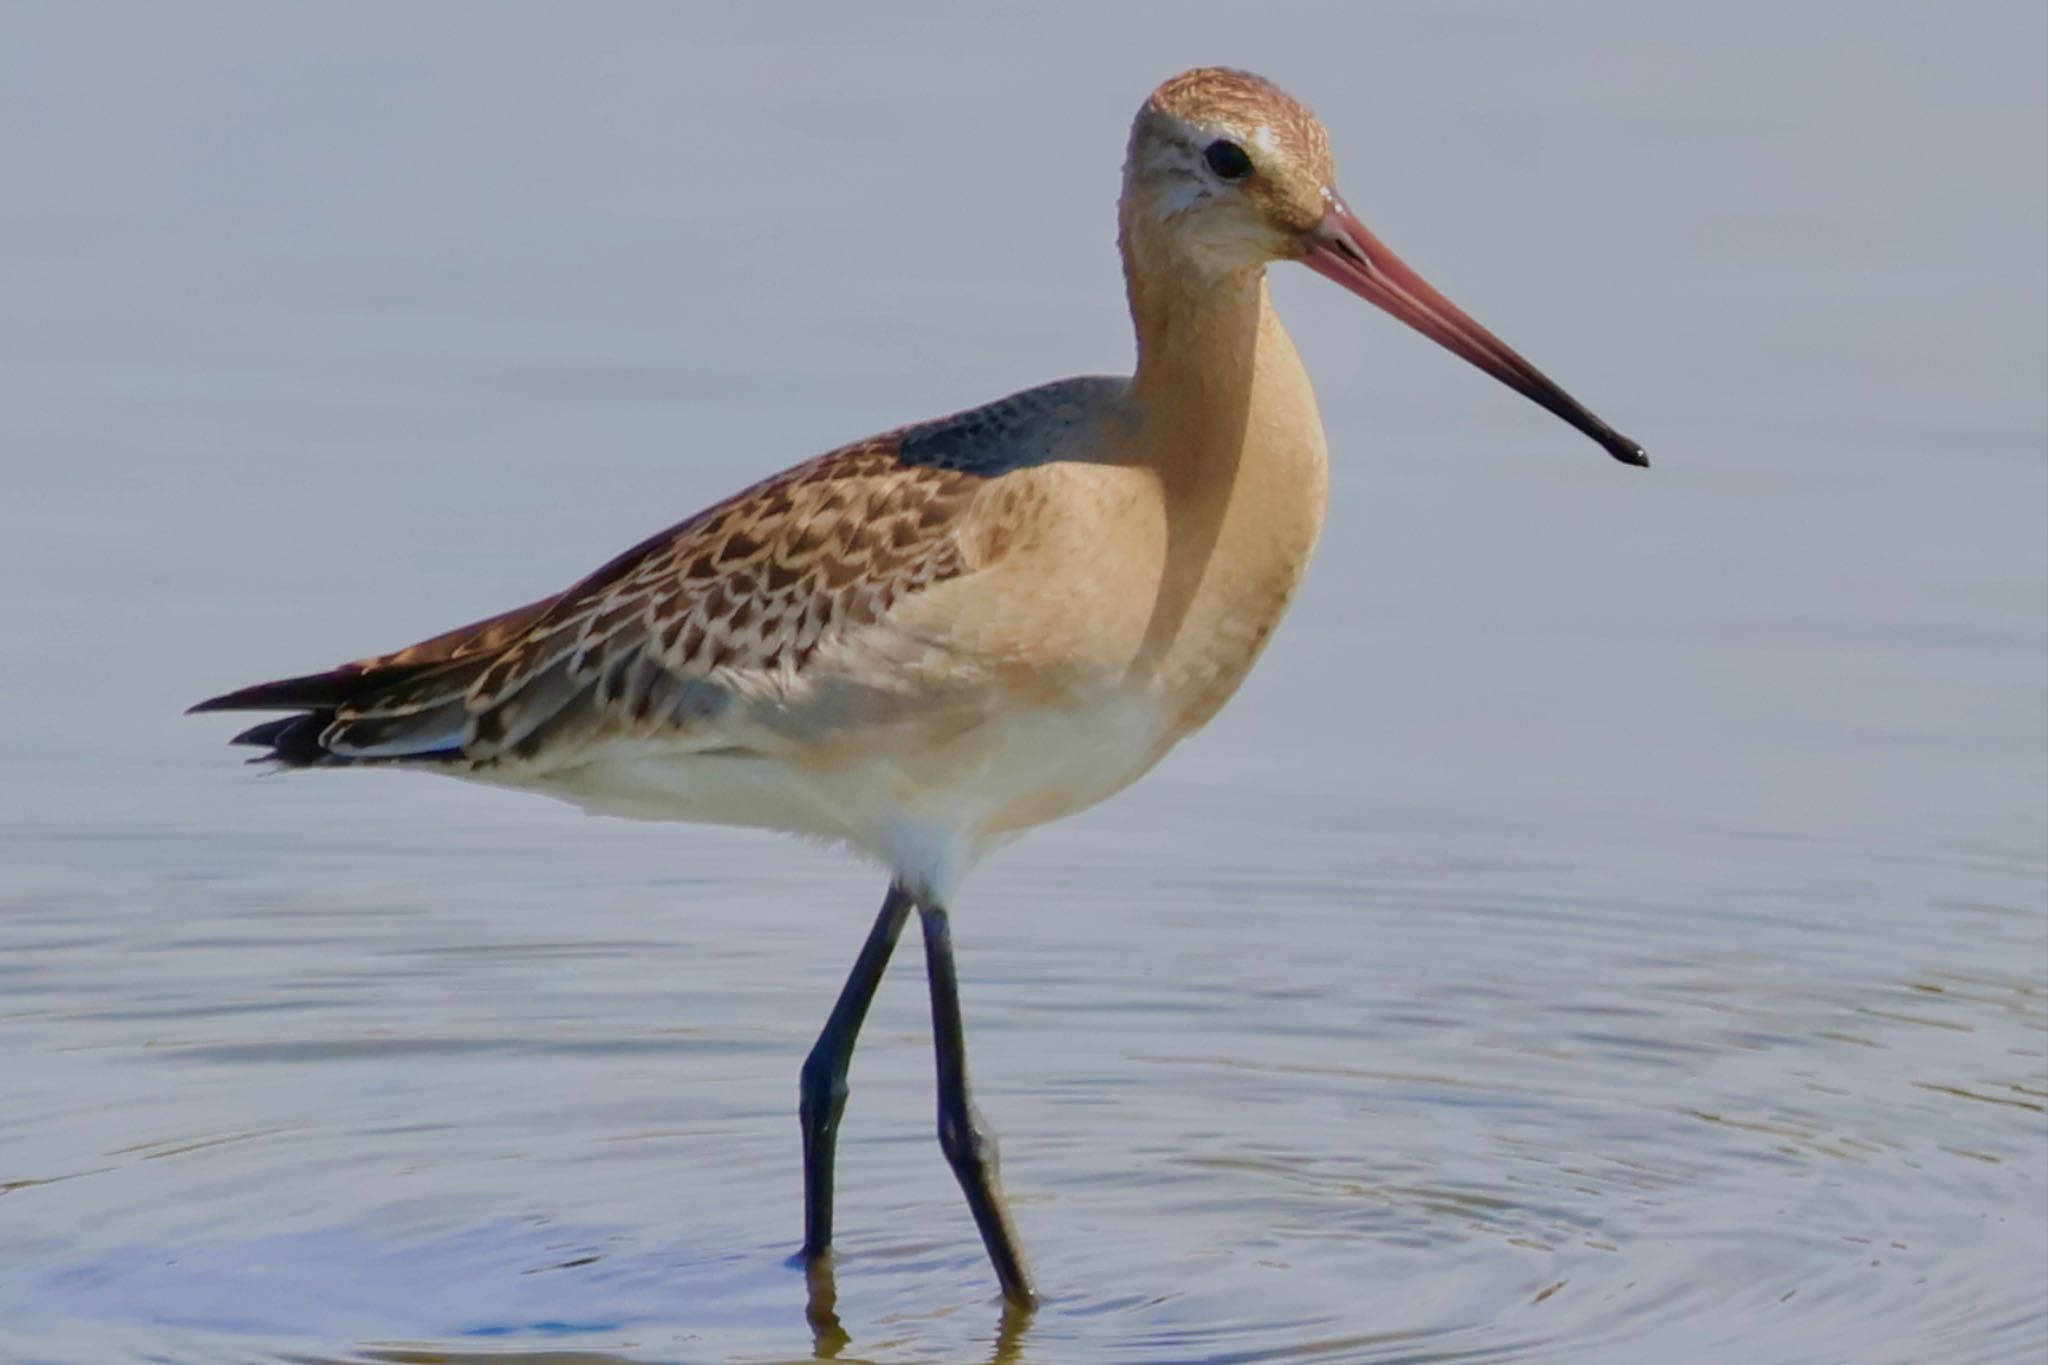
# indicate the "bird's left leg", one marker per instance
pixel 969 1146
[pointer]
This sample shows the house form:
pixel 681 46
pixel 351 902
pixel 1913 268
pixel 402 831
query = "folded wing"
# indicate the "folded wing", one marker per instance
pixel 661 639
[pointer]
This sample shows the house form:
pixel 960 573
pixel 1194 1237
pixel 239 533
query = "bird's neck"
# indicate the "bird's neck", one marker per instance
pixel 1223 417
pixel 1198 334
pixel 1217 381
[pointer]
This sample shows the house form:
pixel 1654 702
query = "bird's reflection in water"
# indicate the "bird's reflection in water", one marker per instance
pixel 829 1337
pixel 830 1341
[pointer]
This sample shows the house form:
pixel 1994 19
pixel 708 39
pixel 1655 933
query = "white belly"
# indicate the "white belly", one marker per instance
pixel 926 810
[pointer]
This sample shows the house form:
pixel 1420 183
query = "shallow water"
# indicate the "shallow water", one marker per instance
pixel 1612 925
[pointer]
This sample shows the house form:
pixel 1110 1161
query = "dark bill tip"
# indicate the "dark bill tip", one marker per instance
pixel 1628 452
pixel 1343 249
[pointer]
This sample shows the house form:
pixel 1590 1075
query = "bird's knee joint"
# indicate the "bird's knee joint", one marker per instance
pixel 968 1146
pixel 821 1093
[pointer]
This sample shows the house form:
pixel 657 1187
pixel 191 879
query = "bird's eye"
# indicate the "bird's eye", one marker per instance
pixel 1227 159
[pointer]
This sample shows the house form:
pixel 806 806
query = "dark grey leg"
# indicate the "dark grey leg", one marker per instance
pixel 824 1073
pixel 969 1147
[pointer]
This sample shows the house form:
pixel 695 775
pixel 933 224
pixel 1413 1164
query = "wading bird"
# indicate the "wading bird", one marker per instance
pixel 924 643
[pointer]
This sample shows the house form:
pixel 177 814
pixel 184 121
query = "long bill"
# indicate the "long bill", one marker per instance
pixel 1343 249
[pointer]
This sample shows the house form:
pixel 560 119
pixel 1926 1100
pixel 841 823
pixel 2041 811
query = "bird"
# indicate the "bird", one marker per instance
pixel 924 643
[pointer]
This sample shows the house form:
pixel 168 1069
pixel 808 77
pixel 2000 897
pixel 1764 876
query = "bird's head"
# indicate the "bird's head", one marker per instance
pixel 1226 173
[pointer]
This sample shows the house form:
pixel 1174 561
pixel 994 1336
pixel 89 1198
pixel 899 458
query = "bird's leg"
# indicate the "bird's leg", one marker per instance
pixel 969 1147
pixel 823 1085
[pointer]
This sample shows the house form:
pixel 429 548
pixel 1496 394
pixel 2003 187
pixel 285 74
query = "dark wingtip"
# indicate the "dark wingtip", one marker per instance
pixel 308 691
pixel 293 741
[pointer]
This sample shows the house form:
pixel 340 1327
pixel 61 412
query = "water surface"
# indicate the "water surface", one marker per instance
pixel 1609 927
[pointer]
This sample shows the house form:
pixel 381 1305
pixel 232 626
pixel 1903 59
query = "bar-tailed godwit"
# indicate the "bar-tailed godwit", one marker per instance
pixel 924 643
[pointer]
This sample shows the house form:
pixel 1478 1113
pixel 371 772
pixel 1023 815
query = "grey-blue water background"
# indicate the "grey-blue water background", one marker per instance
pixel 1609 926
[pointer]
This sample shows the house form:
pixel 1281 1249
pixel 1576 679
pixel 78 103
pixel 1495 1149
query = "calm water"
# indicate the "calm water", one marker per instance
pixel 1609 927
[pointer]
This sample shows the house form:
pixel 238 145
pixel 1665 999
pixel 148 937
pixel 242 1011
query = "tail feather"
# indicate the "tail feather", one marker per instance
pixel 292 740
pixel 403 707
pixel 339 719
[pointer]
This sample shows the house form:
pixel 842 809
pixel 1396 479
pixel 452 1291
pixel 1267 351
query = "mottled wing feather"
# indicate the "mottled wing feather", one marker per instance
pixel 737 600
pixel 335 686
pixel 487 636
pixel 657 639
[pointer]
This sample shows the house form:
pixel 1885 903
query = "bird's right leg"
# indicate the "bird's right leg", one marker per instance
pixel 824 1073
